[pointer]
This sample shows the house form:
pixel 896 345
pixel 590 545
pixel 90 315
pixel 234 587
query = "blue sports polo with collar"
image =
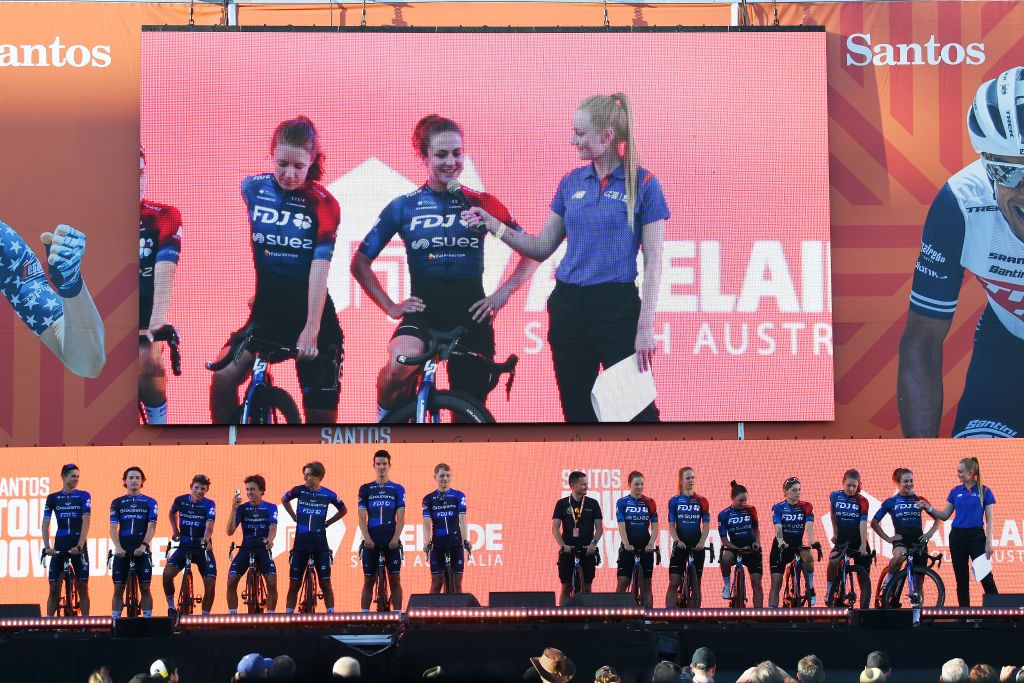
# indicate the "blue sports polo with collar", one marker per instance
pixel 969 510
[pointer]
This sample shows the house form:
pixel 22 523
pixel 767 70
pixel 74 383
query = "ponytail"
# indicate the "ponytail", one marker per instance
pixel 614 110
pixel 736 489
pixel 974 466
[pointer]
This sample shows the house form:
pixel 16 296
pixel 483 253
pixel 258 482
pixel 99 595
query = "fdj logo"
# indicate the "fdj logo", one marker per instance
pixel 792 518
pixel 268 216
pixel 634 509
pixel 432 220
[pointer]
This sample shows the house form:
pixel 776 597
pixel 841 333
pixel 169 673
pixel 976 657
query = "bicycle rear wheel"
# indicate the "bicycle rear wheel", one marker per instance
pixel 253 594
pixel 854 579
pixel 448 583
pixel 690 587
pixel 450 406
pixel 131 598
pixel 270 405
pixel 738 597
pixel 307 595
pixel 576 587
pixel 382 599
pixel 185 594
pixel 928 585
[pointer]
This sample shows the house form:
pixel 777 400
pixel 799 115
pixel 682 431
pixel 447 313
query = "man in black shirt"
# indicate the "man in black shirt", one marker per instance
pixel 580 520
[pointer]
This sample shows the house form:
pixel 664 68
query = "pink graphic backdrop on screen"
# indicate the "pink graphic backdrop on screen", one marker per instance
pixel 733 125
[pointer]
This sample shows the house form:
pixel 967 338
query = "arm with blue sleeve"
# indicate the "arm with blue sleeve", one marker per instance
pixel 386 226
pixel 651 215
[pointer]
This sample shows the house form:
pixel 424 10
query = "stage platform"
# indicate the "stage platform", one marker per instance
pixel 495 644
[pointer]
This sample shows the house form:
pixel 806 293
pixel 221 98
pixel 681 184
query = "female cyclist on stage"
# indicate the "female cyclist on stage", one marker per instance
pixel 605 210
pixel 791 517
pixel 906 522
pixel 637 517
pixel 688 525
pixel 739 533
pixel 293 220
pixel 446 266
pixel 849 512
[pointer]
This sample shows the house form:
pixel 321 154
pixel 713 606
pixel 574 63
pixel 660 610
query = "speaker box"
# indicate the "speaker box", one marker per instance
pixel 537 599
pixel 605 600
pixel 1003 601
pixel 20 612
pixel 153 627
pixel 442 601
pixel 883 618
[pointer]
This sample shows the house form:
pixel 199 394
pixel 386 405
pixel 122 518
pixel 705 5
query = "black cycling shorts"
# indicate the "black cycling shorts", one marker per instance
pixel 853 538
pixel 753 560
pixel 588 563
pixel 677 563
pixel 778 558
pixel 627 559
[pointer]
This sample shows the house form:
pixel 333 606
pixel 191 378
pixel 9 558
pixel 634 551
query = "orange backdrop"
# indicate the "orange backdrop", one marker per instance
pixel 511 490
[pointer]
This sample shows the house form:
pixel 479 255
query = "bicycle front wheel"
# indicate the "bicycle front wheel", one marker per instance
pixel 449 406
pixel 739 590
pixel 270 405
pixel 383 600
pixel 927 586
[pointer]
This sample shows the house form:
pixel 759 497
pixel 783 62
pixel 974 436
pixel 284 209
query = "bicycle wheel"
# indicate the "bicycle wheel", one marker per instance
pixel 854 577
pixel 382 599
pixel 252 595
pixel 576 587
pixel 690 587
pixel 308 593
pixel 448 583
pixel 836 596
pixel 638 586
pixel 270 405
pixel 131 598
pixel 928 585
pixel 738 597
pixel 185 594
pixel 451 406
pixel 65 603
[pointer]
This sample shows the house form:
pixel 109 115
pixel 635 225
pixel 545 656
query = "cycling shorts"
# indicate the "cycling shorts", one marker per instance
pixel 853 538
pixel 987 409
pixel 588 563
pixel 908 539
pixel 627 559
pixel 371 559
pixel 753 560
pixel 80 562
pixel 779 558
pixel 262 560
pixel 121 565
pixel 300 559
pixel 677 563
pixel 457 558
pixel 202 559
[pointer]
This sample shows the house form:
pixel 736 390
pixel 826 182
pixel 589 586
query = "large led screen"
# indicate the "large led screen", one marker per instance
pixel 723 273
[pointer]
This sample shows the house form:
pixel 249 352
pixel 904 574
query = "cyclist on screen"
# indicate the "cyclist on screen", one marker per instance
pixel 192 516
pixel 293 221
pixel 66 320
pixel 907 526
pixel 976 224
pixel 689 523
pixel 258 520
pixel 444 523
pixel 577 525
pixel 311 522
pixel 446 266
pixel 159 247
pixel 791 517
pixel 849 512
pixel 132 525
pixel 72 509
pixel 637 517
pixel 738 529
pixel 381 521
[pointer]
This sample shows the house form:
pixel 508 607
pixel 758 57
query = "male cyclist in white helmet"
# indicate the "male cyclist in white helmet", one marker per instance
pixel 976 223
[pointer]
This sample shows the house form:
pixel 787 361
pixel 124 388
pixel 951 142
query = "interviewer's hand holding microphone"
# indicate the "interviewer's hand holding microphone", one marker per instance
pixel 477 219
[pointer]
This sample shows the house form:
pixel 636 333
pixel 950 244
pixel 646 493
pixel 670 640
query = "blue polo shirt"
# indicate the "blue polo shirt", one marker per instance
pixel 969 510
pixel 601 247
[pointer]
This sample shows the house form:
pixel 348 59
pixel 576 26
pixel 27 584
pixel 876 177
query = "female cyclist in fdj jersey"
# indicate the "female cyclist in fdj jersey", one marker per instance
pixel 689 523
pixel 791 517
pixel 159 248
pixel 849 512
pixel 446 266
pixel 637 516
pixel 293 220
pixel 738 528
pixel 605 210
pixel 906 522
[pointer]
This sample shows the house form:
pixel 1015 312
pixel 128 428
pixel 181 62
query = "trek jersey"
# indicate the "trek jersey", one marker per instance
pixel 443 510
pixel 382 503
pixel 687 513
pixel 850 511
pixel 68 509
pixel 738 525
pixel 132 514
pixel 23 283
pixel 906 516
pixel 311 509
pixel 192 517
pixel 290 229
pixel 159 240
pixel 638 514
pixel 793 518
pixel 437 242
pixel 255 521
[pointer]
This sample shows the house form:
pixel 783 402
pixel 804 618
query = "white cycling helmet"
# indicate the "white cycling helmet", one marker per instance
pixel 997 113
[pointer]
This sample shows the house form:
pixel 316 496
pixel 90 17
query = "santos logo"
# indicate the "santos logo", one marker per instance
pixel 860 52
pixel 282 241
pixel 55 54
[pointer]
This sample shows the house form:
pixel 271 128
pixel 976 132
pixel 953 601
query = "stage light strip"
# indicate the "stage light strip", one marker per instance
pixel 971 613
pixel 198 621
pixel 624 613
pixel 55 623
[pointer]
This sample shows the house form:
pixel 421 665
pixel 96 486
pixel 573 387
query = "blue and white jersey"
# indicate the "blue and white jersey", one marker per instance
pixel 68 509
pixel 23 283
pixel 382 503
pixel 192 517
pixel 255 521
pixel 311 509
pixel 132 514
pixel 443 510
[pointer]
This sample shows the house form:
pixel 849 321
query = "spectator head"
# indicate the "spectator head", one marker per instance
pixel 666 672
pixel 253 665
pixel 878 660
pixel 810 670
pixel 346 667
pixel 872 674
pixel 703 661
pixel 164 669
pixel 983 673
pixel 607 674
pixel 765 672
pixel 1020 675
pixel 954 671
pixel 553 666
pixel 101 675
pixel 283 669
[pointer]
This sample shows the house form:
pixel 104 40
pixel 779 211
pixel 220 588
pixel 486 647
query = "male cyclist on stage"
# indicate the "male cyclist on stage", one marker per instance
pixel 258 520
pixel 72 508
pixel 192 516
pixel 132 525
pixel 381 520
pixel 444 523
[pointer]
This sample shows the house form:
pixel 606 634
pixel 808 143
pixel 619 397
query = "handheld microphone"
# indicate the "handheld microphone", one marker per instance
pixel 455 189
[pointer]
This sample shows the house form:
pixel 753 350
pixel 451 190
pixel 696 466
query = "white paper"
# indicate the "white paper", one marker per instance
pixel 981 567
pixel 622 391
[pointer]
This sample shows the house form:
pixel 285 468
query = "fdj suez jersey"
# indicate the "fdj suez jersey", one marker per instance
pixel 850 511
pixel 687 513
pixel 68 509
pixel 23 283
pixel 443 510
pixel 793 519
pixel 738 525
pixel 438 245
pixel 966 231
pixel 637 514
pixel 159 240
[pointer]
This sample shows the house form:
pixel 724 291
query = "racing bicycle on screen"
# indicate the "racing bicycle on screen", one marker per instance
pixel 165 333
pixel 263 404
pixel 433 405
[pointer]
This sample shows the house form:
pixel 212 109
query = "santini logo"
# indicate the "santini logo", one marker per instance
pixel 860 52
pixel 55 54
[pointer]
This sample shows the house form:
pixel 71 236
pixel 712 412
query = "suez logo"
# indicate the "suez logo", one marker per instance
pixel 439 241
pixel 282 241
pixel 861 52
pixel 56 54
